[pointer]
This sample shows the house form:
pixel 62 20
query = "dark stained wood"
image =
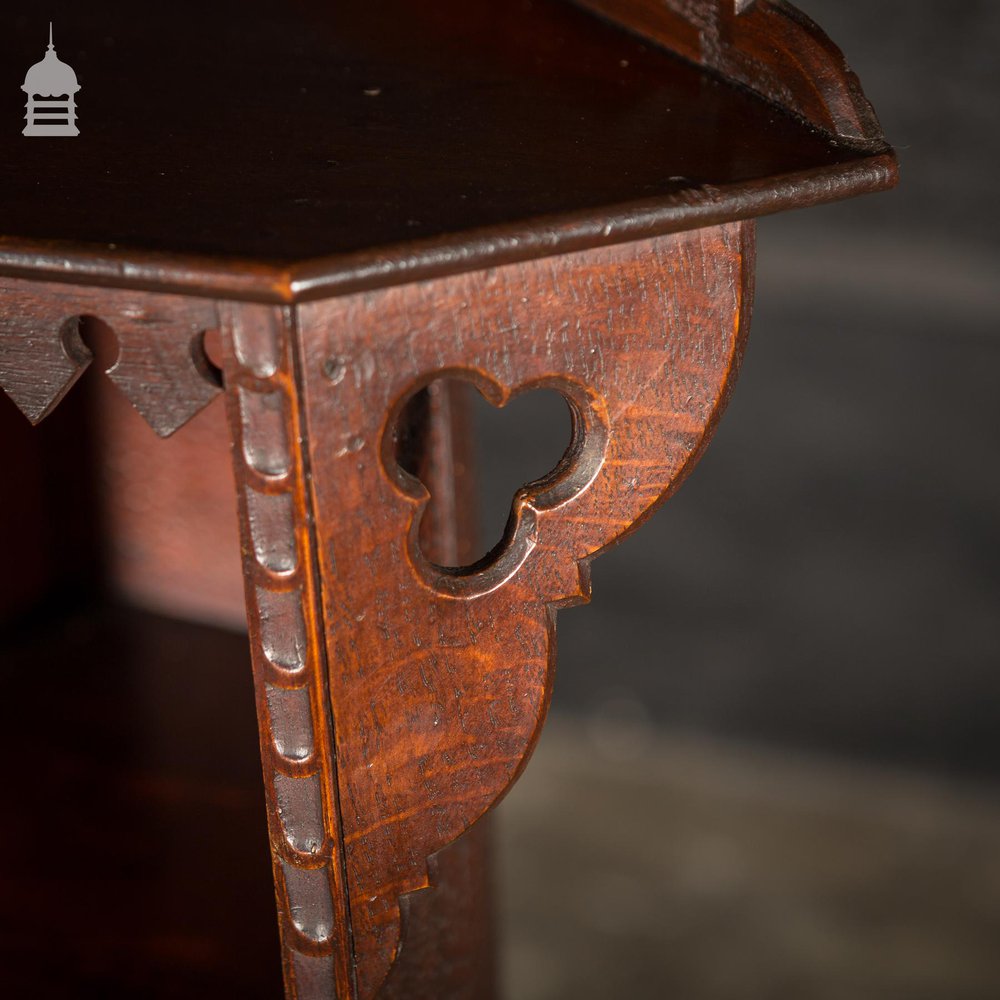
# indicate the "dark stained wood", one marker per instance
pixel 293 699
pixel 296 150
pixel 439 681
pixel 268 431
pixel 133 856
pixel 161 365
pixel 52 546
pixel 448 944
pixel 449 936
pixel 772 48
pixel 360 199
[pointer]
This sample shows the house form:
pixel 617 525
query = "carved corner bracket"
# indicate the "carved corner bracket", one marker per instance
pixel 439 679
pixel 399 700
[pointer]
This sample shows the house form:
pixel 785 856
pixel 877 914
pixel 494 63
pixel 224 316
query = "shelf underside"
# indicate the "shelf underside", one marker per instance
pixel 286 132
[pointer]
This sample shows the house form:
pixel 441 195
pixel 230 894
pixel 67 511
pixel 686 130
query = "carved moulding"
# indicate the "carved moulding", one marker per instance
pixel 397 699
pixel 291 688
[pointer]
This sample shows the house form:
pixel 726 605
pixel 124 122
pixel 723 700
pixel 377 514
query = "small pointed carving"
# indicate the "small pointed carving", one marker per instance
pixel 162 366
pixel 38 369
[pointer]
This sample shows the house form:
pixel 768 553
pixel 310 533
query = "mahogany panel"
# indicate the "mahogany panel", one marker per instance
pixel 482 193
pixel 439 679
pixel 280 151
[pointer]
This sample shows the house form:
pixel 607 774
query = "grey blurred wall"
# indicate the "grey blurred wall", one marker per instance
pixel 829 578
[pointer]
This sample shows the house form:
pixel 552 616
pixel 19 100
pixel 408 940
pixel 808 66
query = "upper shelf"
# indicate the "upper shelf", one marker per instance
pixel 288 150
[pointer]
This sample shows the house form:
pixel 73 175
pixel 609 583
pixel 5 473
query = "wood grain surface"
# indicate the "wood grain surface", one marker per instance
pixel 161 364
pixel 515 195
pixel 349 154
pixel 399 697
pixel 439 677
pixel 286 637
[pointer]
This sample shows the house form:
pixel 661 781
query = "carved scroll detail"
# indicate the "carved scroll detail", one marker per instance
pixel 161 365
pixel 439 682
pixel 289 671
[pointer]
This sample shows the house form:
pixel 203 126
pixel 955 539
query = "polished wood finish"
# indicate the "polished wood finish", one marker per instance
pixel 439 679
pixel 644 342
pixel 162 367
pixel 448 940
pixel 133 859
pixel 390 140
pixel 512 195
pixel 771 48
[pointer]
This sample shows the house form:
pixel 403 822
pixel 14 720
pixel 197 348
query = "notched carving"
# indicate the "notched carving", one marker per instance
pixel 282 629
pixel 309 904
pixel 314 977
pixel 291 721
pixel 164 372
pixel 272 528
pixel 300 807
pixel 257 340
pixel 37 370
pixel 770 47
pixel 161 367
pixel 265 437
pixel 296 743
pixel 440 681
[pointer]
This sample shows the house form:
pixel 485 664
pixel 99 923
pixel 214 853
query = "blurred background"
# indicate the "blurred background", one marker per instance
pixel 772 767
pixel 773 763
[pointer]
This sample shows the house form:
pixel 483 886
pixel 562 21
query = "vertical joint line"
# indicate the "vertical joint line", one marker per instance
pixel 316 585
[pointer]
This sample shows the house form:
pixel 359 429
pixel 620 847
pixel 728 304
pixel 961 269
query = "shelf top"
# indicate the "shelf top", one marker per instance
pixel 286 150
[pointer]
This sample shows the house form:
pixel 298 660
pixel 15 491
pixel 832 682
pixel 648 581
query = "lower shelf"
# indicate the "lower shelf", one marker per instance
pixel 133 858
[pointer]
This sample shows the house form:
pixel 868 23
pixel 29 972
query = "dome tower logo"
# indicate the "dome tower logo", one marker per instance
pixel 51 87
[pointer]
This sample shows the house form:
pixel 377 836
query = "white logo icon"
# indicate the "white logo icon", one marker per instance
pixel 51 88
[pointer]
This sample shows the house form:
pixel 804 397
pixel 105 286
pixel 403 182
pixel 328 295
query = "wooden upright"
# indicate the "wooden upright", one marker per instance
pixel 358 199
